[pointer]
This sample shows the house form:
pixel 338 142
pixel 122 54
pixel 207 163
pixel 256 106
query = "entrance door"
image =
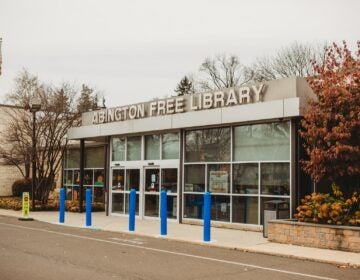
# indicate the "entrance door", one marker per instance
pixel 123 180
pixel 157 180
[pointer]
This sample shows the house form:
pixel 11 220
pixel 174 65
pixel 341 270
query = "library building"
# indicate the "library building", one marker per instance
pixel 240 144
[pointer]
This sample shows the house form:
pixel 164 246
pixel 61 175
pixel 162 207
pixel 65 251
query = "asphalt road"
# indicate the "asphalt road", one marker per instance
pixel 35 250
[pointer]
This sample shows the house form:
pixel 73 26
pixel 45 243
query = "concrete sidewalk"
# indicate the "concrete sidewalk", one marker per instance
pixel 220 237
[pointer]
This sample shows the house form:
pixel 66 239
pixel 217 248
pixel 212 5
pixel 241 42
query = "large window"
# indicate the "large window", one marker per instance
pixel 262 142
pixel 118 149
pixel 246 178
pixel 208 145
pixel 195 178
pixel 156 147
pixel 133 148
pixel 152 147
pixel 170 146
pixel 275 178
pixel 258 170
pixel 93 173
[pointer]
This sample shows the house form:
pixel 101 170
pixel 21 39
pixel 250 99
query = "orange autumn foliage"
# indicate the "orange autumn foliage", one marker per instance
pixel 331 124
pixel 330 209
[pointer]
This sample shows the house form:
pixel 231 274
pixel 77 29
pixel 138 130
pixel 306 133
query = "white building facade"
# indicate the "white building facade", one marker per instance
pixel 240 144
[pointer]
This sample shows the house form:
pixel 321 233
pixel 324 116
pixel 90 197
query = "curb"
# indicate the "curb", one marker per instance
pixel 207 244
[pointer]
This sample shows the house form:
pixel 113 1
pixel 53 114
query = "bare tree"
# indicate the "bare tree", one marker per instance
pixel 294 60
pixel 223 71
pixel 59 112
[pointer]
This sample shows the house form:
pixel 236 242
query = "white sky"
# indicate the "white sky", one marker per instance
pixel 134 51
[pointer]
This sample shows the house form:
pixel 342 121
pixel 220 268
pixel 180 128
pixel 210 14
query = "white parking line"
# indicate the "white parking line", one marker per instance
pixel 133 241
pixel 174 253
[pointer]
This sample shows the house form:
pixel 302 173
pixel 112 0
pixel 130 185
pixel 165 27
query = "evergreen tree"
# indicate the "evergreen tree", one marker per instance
pixel 184 87
pixel 88 100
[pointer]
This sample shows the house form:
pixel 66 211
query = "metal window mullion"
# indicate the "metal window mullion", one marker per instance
pixel 259 193
pixel 160 146
pixel 290 168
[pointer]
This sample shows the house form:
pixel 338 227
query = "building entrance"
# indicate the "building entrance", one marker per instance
pixel 155 181
pixel 148 183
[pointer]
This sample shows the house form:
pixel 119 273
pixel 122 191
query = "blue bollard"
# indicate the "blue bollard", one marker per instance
pixel 163 213
pixel 62 206
pixel 207 216
pixel 88 207
pixel 132 208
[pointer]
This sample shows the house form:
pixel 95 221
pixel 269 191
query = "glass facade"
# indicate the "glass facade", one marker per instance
pixel 93 173
pixel 133 148
pixel 242 166
pixel 207 145
pixel 148 181
pixel 152 147
pixel 170 146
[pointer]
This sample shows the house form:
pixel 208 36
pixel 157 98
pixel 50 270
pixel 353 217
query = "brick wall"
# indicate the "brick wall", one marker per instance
pixel 8 173
pixel 314 235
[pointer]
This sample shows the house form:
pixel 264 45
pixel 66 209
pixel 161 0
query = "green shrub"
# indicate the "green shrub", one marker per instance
pixel 20 186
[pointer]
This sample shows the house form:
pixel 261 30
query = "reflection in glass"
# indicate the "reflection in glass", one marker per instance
pixel 194 178
pixel 169 180
pixel 207 145
pixel 117 203
pixel 88 177
pixel 152 205
pixel 246 178
pixel 275 178
pixel 152 147
pixel 262 142
pixel 133 151
pixel 68 177
pixel 245 209
pixel 94 157
pixel 118 179
pixel 170 146
pixel 219 178
pixel 132 179
pixel 193 206
pixel 72 158
pixel 220 208
pixel 172 206
pixel 118 149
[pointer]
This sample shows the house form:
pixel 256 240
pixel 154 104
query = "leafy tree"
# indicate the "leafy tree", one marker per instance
pixel 293 60
pixel 185 86
pixel 331 124
pixel 60 110
pixel 224 71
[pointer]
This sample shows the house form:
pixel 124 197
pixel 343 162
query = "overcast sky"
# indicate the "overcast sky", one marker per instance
pixel 134 51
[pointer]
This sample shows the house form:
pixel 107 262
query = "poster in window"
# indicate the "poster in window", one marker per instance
pixel 219 181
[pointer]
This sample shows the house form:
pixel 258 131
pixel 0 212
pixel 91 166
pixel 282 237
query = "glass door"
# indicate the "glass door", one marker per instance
pixel 123 180
pixel 157 180
pixel 169 183
pixel 151 192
